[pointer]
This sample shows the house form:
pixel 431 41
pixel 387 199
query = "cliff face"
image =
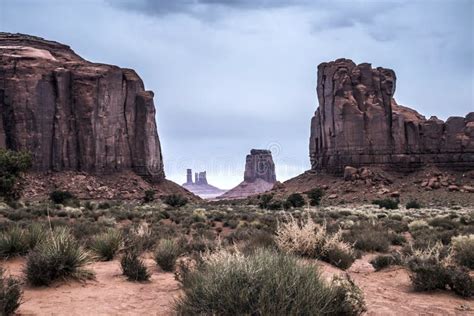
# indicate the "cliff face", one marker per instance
pixel 358 123
pixel 72 114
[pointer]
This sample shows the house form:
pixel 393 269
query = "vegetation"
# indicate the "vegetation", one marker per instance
pixel 309 239
pixel 430 270
pixel 175 200
pixel 315 195
pixel 59 256
pixel 61 197
pixel 107 244
pixel 13 242
pixel 463 250
pixel 133 267
pixel 149 196
pixel 12 165
pixel 388 204
pixel 382 261
pixel 10 294
pixel 166 254
pixel 264 283
pixel 296 200
pixel 413 204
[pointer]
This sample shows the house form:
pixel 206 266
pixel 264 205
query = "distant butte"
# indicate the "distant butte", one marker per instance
pixel 200 186
pixel 259 175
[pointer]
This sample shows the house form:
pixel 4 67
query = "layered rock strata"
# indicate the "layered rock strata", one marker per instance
pixel 72 114
pixel 358 123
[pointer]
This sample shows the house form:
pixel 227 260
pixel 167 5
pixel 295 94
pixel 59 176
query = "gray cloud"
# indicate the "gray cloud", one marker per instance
pixel 231 76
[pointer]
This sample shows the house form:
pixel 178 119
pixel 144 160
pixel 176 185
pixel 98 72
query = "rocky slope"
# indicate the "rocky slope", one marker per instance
pixel 259 175
pixel 358 123
pixel 75 115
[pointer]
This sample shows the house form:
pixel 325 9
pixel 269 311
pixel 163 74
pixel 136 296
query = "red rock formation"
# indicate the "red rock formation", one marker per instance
pixel 72 114
pixel 358 123
pixel 259 175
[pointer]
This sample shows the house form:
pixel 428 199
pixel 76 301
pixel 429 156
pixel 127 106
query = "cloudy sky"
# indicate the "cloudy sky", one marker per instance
pixel 233 75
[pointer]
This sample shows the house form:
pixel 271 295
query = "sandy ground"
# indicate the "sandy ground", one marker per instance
pixel 109 294
pixel 387 292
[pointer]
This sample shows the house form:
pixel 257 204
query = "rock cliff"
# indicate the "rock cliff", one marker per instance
pixel 358 123
pixel 259 175
pixel 72 114
pixel 200 186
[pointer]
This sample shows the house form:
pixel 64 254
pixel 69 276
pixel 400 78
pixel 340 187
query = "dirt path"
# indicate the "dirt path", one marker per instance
pixel 109 294
pixel 387 292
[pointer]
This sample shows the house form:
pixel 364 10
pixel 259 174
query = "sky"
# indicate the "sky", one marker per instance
pixel 232 75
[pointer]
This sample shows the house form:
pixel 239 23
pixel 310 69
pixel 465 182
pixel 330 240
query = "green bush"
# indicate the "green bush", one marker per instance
pixel 264 283
pixel 388 204
pixel 296 200
pixel 463 250
pixel 12 165
pixel 264 200
pixel 61 197
pixel 275 205
pixel 413 204
pixel 59 256
pixel 368 237
pixel 149 196
pixel 175 200
pixel 10 294
pixel 315 195
pixel 383 261
pixel 430 270
pixel 444 223
pixel 35 234
pixel 13 242
pixel 107 244
pixel 166 254
pixel 133 267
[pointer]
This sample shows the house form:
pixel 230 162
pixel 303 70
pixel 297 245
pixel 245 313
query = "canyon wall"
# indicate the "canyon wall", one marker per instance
pixel 72 114
pixel 358 123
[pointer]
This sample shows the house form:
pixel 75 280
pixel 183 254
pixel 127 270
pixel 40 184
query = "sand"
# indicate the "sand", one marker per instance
pixel 387 292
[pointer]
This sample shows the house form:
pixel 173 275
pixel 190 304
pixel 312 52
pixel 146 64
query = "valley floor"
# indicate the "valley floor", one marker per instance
pixel 387 292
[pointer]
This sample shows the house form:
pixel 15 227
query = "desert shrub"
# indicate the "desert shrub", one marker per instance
pixel 61 197
pixel 59 256
pixel 388 204
pixel 417 225
pixel 368 237
pixel 35 234
pixel 166 253
pixel 149 196
pixel 12 164
pixel 444 223
pixel 107 244
pixel 258 239
pixel 397 239
pixel 413 204
pixel 275 205
pixel 463 250
pixel 104 206
pixel 133 267
pixel 10 294
pixel 315 195
pixel 383 261
pixel 13 242
pixel 141 237
pixel 175 200
pixel 263 283
pixel 264 200
pixel 296 200
pixel 430 270
pixel 309 239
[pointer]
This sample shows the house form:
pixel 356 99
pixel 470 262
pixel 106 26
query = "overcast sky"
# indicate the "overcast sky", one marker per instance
pixel 233 75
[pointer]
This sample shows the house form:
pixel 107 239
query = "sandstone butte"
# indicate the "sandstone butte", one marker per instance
pixel 359 123
pixel 75 115
pixel 259 175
